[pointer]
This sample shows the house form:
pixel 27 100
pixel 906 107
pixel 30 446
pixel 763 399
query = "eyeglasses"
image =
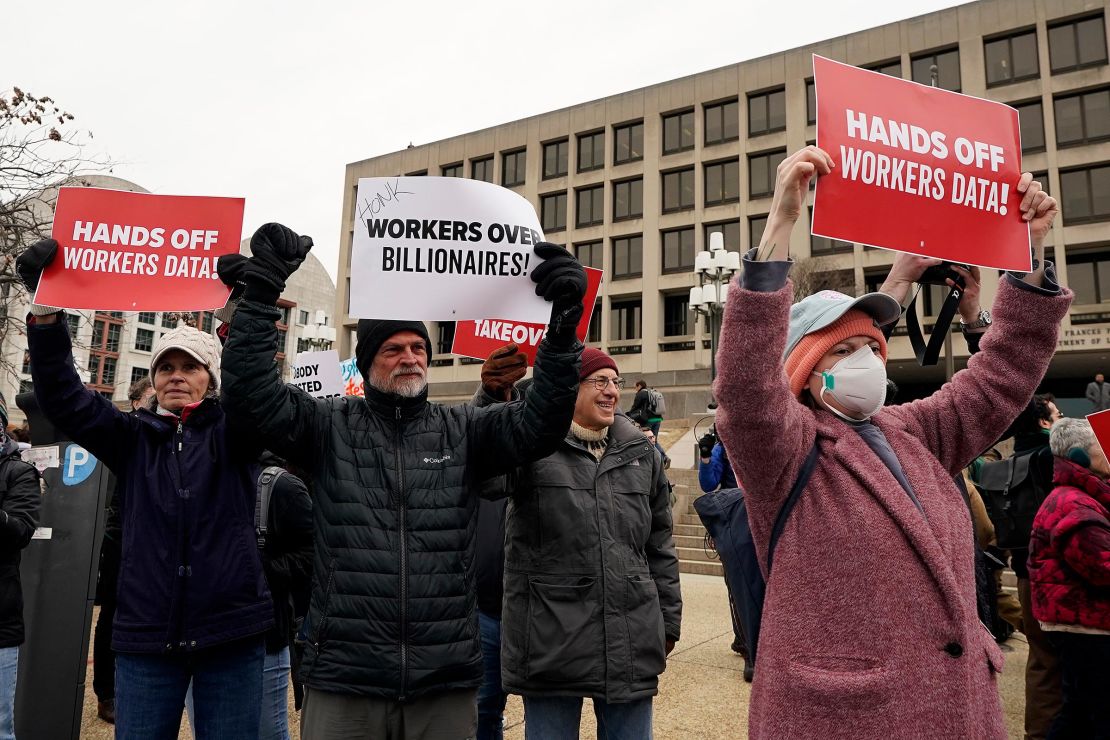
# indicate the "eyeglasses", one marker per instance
pixel 601 383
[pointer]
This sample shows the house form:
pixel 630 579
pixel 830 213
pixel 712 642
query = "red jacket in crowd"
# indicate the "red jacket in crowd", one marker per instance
pixel 1069 553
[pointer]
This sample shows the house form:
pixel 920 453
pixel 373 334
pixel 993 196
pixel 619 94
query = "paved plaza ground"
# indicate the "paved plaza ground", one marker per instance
pixel 702 696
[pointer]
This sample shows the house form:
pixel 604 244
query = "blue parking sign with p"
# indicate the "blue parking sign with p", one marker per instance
pixel 78 466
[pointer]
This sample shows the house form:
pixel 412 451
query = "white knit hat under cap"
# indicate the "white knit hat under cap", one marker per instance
pixel 200 346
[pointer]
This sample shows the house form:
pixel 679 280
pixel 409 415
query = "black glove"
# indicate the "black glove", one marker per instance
pixel 278 252
pixel 34 260
pixel 560 279
pixel 231 268
pixel 706 444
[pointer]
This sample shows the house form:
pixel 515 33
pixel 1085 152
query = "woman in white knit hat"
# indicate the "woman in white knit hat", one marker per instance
pixel 192 601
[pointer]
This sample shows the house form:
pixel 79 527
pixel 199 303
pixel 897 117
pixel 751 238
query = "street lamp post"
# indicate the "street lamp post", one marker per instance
pixel 318 335
pixel 714 268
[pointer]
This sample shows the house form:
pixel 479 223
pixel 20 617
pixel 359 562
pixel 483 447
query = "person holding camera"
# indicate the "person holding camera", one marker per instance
pixel 877 637
pixel 714 470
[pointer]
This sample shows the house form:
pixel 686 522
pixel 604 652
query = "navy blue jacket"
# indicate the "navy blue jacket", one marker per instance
pixel 191 576
pixel 717 473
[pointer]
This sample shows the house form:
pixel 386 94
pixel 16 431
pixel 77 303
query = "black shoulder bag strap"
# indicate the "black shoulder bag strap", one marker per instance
pixel 804 475
pixel 927 354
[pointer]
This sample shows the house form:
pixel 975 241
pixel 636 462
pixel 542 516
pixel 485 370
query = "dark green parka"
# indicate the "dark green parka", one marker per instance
pixel 591 575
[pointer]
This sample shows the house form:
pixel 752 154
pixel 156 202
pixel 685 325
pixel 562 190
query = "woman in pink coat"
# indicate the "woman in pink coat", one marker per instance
pixel 869 625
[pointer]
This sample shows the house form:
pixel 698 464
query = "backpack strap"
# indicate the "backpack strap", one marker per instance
pixel 927 354
pixel 806 472
pixel 265 488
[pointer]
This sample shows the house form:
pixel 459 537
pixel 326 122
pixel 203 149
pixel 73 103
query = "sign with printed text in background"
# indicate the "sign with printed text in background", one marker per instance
pixel 918 169
pixel 443 249
pixel 352 378
pixel 124 251
pixel 318 374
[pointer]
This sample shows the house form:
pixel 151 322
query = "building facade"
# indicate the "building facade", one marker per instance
pixel 636 182
pixel 113 349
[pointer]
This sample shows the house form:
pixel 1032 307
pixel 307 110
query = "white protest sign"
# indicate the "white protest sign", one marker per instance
pixel 317 373
pixel 41 457
pixel 443 249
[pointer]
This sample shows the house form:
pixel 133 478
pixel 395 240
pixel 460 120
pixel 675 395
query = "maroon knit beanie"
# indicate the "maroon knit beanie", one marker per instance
pixel 593 360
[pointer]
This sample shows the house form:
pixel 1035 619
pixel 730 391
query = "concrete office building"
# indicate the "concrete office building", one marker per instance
pixel 634 183
pixel 113 348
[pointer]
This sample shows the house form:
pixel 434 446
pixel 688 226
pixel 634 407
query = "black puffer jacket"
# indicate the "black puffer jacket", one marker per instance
pixel 395 480
pixel 19 501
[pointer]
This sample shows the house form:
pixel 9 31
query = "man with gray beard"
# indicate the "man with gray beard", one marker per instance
pixel 393 647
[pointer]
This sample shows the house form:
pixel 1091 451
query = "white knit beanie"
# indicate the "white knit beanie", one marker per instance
pixel 201 346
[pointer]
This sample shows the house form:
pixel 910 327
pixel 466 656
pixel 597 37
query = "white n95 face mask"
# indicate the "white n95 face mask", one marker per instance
pixel 858 383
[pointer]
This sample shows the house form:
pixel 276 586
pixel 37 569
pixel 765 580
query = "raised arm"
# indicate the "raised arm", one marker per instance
pixel 253 395
pixel 972 410
pixel 83 415
pixel 509 435
pixel 766 431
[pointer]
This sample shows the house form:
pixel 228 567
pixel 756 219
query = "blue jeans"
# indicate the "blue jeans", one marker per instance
pixel 275 697
pixel 491 698
pixel 227 690
pixel 274 722
pixel 9 672
pixel 558 718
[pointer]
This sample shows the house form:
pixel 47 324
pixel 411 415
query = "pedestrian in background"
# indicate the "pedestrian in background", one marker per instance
pixel 1098 393
pixel 1069 569
pixel 648 407
pixel 19 509
pixel 715 473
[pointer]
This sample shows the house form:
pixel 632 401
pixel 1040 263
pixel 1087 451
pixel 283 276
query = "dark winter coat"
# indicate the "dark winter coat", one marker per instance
pixel 591 575
pixel 490 555
pixel 287 555
pixel 395 485
pixel 1069 553
pixel 191 576
pixel 19 500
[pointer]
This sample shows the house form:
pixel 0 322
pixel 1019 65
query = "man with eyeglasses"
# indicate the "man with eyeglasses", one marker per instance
pixel 592 603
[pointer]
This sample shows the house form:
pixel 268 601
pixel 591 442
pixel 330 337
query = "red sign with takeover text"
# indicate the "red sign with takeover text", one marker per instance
pixel 479 339
pixel 918 169
pixel 121 251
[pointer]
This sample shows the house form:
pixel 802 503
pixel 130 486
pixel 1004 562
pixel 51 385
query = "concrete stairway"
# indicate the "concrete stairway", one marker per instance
pixel 689 534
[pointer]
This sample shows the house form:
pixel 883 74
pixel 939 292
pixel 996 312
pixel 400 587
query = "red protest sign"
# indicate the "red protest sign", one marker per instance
pixel 479 338
pixel 121 251
pixel 1100 424
pixel 918 169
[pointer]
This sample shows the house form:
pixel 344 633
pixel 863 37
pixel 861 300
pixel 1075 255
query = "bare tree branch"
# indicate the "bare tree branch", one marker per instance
pixel 40 150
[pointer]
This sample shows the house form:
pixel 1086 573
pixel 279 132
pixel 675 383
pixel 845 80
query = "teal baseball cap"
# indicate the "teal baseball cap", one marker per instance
pixel 822 309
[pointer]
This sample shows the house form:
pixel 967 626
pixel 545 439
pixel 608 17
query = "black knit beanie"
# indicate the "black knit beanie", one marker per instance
pixel 373 332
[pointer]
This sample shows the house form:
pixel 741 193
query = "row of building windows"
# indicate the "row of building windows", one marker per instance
pixel 721 181
pixel 1083 190
pixel 1011 57
pixel 1088 277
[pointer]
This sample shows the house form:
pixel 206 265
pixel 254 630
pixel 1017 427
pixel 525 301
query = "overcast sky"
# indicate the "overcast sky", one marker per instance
pixel 264 101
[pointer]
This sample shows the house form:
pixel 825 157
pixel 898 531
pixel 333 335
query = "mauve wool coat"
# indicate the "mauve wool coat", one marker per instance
pixel 869 625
